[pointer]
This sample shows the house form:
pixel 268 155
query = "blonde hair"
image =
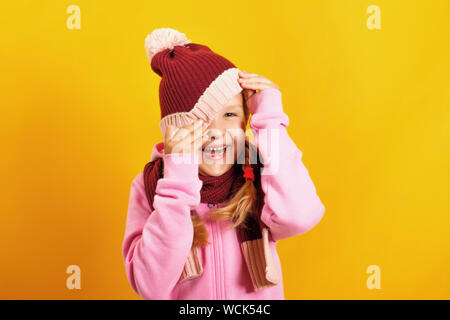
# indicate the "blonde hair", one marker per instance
pixel 237 208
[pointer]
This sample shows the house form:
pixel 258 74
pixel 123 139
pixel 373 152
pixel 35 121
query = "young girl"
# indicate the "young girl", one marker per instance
pixel 206 212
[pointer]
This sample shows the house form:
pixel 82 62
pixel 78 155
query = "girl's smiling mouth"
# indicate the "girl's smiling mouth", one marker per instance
pixel 216 152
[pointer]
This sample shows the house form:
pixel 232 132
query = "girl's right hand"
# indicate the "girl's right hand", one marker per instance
pixel 188 139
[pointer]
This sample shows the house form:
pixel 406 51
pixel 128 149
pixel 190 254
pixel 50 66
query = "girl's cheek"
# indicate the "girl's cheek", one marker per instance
pixel 239 143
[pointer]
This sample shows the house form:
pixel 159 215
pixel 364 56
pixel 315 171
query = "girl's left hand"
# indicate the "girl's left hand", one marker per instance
pixel 251 82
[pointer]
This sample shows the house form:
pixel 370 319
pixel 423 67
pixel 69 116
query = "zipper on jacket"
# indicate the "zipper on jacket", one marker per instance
pixel 217 257
pixel 220 259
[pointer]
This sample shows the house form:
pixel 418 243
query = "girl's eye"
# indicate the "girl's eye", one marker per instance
pixel 229 114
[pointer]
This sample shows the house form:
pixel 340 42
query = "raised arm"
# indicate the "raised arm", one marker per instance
pixel 292 205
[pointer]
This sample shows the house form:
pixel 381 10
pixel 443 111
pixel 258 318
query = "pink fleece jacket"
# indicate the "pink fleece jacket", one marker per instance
pixel 156 244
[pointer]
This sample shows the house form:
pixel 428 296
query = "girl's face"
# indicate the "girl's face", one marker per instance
pixel 227 135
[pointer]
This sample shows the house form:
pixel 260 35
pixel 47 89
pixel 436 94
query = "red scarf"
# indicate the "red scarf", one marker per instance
pixel 219 189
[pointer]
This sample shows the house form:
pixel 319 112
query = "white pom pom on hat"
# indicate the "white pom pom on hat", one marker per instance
pixel 162 39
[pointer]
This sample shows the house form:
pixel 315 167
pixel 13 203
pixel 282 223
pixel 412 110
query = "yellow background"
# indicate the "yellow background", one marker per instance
pixel 368 108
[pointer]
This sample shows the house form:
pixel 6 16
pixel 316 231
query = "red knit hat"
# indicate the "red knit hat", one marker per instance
pixel 195 82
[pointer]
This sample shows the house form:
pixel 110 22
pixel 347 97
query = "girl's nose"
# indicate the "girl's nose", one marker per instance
pixel 214 133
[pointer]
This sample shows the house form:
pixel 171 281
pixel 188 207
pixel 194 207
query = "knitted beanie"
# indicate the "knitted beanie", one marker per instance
pixel 196 83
